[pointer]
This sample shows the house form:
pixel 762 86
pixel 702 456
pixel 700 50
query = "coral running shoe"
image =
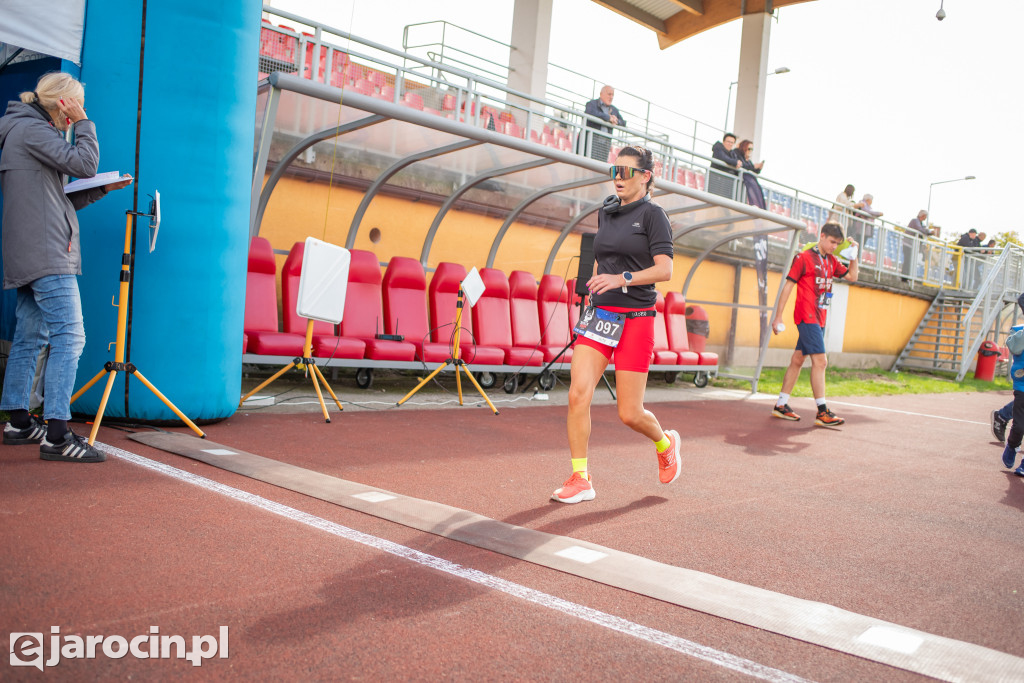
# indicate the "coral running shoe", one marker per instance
pixel 785 412
pixel 668 459
pixel 826 418
pixel 575 490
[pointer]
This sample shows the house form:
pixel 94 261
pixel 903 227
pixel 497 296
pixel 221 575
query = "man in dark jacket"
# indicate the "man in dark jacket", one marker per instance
pixel 42 257
pixel 601 108
pixel 969 239
pixel 721 179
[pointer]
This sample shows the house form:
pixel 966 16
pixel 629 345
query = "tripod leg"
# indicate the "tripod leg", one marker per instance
pixel 272 378
pixel 327 386
pixel 103 406
pixel 422 382
pixel 181 415
pixel 319 395
pixel 458 380
pixel 477 385
pixel 78 394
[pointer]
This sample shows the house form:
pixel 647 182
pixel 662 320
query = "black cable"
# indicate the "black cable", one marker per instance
pixel 135 205
pixel 550 318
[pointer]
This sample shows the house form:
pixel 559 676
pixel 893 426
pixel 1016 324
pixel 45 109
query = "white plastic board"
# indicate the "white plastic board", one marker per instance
pixel 324 281
pixel 473 286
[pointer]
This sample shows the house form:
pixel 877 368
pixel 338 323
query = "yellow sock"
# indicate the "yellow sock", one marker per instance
pixel 663 444
pixel 579 465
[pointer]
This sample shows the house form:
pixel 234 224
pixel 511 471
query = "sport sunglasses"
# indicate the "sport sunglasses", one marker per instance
pixel 624 171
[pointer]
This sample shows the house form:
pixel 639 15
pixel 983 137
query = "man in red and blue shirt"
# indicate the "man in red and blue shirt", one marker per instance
pixel 812 274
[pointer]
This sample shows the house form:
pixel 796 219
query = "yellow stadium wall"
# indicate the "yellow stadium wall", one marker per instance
pixel 878 323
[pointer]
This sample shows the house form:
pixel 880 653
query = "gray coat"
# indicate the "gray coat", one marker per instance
pixel 40 227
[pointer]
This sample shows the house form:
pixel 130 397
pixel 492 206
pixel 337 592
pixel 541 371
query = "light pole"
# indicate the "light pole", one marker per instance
pixel 941 182
pixel 728 101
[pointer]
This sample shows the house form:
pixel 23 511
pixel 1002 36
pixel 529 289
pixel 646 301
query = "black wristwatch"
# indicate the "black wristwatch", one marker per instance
pixel 628 277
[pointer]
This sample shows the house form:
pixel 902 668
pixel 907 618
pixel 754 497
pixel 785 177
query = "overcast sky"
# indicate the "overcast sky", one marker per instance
pixel 880 94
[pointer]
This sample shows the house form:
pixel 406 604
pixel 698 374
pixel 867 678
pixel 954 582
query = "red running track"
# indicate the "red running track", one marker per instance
pixel 904 514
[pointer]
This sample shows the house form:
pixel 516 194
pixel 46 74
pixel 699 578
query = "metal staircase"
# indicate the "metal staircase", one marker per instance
pixel 956 323
pixel 936 342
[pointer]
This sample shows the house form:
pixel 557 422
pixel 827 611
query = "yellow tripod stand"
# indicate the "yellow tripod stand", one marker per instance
pixel 118 365
pixel 307 360
pixel 460 365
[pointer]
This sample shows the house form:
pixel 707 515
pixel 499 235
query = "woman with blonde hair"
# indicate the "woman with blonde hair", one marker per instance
pixel 42 257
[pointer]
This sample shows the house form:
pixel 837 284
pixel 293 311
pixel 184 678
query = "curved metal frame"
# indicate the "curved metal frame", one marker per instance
pixel 572 224
pixel 704 254
pixel 676 234
pixel 529 200
pixel 371 191
pixel 298 149
pixel 578 218
pixel 468 185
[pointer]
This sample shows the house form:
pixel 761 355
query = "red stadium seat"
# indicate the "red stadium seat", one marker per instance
pixel 662 354
pixel 553 311
pixel 574 303
pixel 413 100
pixel 378 79
pixel 526 322
pixel 405 308
pixel 260 325
pixel 364 312
pixel 363 87
pixel 339 62
pixel 442 296
pixel 387 92
pixel 492 320
pixel 675 324
pixel 325 343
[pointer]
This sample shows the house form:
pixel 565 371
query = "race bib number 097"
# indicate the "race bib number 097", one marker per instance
pixel 601 326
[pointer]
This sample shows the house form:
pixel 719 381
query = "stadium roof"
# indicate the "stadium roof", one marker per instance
pixel 677 20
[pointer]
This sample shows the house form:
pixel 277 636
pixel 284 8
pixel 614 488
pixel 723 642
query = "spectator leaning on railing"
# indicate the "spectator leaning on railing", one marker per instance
pixel 863 226
pixel 843 207
pixel 725 162
pixel 917 224
pixel 755 195
pixel 915 228
pixel 602 108
pixel 969 239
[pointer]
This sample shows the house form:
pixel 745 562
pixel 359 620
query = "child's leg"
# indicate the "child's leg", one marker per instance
pixel 1017 428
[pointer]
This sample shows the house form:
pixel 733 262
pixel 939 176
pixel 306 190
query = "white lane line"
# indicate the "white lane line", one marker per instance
pixel 832 401
pixel 609 621
pixel 907 412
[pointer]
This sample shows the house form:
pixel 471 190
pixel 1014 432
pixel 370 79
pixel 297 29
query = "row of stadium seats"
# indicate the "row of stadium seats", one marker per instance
pixel 516 326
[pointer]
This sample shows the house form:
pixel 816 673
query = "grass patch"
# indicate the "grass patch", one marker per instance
pixel 868 382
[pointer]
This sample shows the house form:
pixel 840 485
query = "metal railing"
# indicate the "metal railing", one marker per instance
pixel 890 254
pixel 1001 279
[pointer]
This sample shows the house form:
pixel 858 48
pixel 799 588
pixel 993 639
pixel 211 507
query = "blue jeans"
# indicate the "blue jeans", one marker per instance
pixel 1006 412
pixel 49 310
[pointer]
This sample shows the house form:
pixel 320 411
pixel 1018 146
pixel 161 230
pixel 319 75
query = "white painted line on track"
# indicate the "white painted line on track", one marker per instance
pixel 832 401
pixel 609 621
pixel 219 451
pixel 906 412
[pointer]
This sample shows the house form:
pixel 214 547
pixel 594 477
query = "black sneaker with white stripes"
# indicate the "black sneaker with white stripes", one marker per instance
pixel 73 448
pixel 34 433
